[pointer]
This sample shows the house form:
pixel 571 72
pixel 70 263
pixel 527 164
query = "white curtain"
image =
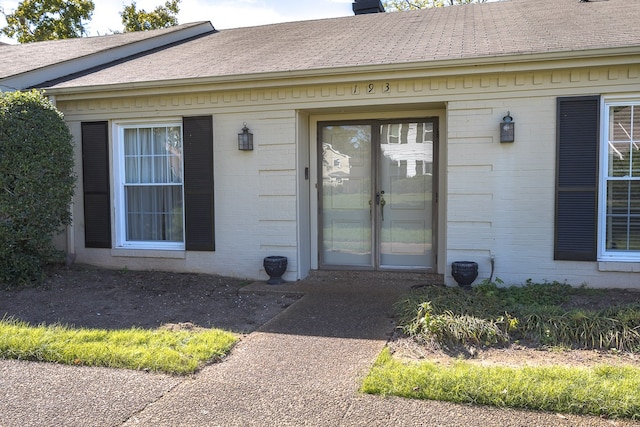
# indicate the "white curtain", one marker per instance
pixel 153 184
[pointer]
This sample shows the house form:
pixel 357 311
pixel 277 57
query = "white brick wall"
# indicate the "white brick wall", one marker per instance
pixel 496 199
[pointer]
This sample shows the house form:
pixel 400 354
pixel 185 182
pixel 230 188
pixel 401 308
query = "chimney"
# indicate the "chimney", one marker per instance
pixel 361 7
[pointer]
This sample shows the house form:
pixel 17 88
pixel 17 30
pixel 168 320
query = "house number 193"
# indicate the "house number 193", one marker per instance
pixel 371 88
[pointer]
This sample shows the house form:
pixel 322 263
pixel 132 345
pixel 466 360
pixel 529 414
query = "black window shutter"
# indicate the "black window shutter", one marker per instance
pixel 95 180
pixel 198 183
pixel 578 136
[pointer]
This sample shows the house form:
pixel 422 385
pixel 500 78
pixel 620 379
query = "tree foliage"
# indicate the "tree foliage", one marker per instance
pixel 141 20
pixel 38 20
pixel 36 184
pixel 394 5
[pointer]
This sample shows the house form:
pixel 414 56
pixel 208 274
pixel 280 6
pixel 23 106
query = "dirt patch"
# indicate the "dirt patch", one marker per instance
pixel 89 297
pixel 528 354
pixel 85 296
pixel 607 299
pixel 514 355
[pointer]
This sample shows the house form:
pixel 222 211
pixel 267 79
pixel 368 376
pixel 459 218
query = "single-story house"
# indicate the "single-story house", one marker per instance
pixel 503 133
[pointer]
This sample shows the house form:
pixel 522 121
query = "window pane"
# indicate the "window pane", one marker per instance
pixel 393 133
pixel 161 168
pixel 153 155
pixel 145 141
pixel 131 153
pixel 159 140
pixel 635 160
pixel 635 118
pixel 618 158
pixel 634 145
pixel 623 215
pixel 132 170
pixel 617 233
pixel 346 191
pixel 146 153
pixel 634 197
pixel 131 147
pixel 620 128
pixel 154 213
pixel 618 198
pixel 620 123
pixel 428 132
pixel 634 233
pixel 174 151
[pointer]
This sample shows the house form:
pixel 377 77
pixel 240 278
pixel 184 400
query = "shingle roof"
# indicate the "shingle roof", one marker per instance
pixel 21 58
pixel 489 30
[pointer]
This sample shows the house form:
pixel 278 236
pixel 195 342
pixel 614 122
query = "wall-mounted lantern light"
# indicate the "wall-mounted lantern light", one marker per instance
pixel 245 139
pixel 507 128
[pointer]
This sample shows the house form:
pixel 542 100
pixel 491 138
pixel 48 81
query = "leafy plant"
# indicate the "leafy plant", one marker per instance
pixel 616 328
pixel 141 20
pixel 34 21
pixel 452 330
pixel 36 183
pixel 491 315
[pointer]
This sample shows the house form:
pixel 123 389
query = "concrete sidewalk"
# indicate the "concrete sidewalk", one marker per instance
pixel 303 367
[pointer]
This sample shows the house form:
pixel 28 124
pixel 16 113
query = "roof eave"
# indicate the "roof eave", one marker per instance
pixel 519 62
pixel 49 72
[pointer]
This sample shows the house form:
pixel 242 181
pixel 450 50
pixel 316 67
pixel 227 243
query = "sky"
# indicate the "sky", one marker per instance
pixel 222 13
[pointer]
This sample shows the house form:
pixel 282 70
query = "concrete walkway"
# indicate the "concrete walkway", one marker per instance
pixel 303 368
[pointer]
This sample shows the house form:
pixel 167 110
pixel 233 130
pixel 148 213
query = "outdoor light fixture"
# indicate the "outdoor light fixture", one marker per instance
pixel 245 139
pixel 507 129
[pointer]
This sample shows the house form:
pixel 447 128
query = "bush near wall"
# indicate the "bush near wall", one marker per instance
pixel 36 184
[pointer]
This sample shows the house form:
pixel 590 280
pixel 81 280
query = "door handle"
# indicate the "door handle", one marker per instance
pixel 381 202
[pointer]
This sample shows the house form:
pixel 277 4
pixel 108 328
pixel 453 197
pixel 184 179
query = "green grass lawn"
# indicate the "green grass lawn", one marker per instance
pixel 540 315
pixel 604 390
pixel 174 352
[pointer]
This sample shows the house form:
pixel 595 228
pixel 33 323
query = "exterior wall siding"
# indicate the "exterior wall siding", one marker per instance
pixel 501 196
pixel 496 199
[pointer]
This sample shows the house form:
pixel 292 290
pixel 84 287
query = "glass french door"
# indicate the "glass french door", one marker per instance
pixel 376 197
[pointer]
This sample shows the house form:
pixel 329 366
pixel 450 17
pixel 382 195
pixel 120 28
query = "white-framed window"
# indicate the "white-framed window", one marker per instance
pixel 148 183
pixel 619 195
pixel 427 133
pixel 394 133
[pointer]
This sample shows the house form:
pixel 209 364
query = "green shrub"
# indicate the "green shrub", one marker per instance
pixel 489 315
pixel 36 184
pixel 615 328
pixel 451 330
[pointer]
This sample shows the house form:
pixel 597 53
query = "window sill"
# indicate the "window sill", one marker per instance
pixel 148 253
pixel 625 267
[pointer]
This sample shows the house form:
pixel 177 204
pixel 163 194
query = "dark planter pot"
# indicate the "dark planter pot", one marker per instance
pixel 275 266
pixel 464 272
